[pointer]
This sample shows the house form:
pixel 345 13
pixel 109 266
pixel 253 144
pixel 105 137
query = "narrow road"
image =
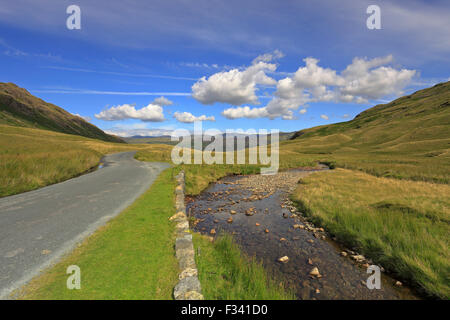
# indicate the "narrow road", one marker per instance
pixel 38 227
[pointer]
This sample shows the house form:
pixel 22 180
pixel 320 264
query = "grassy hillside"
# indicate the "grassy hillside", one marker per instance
pixel 32 158
pixel 20 108
pixel 408 138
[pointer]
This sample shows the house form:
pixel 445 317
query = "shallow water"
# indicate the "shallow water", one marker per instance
pixel 341 277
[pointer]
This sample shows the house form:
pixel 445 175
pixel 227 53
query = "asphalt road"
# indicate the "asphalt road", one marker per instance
pixel 38 227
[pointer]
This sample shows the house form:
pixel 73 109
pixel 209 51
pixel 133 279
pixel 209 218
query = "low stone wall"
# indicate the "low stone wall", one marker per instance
pixel 188 288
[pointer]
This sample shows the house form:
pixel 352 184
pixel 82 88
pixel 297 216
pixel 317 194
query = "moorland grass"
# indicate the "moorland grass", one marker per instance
pixel 33 158
pixel 227 274
pixel 401 225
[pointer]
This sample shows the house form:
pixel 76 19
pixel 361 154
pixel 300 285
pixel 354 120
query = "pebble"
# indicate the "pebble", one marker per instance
pixel 358 258
pixel 398 284
pixel 230 220
pixel 343 253
pixel 315 272
pixel 284 259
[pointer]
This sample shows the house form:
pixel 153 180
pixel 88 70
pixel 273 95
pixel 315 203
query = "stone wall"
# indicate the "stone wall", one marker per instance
pixel 188 288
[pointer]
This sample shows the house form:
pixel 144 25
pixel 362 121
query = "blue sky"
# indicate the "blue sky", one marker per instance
pixel 284 65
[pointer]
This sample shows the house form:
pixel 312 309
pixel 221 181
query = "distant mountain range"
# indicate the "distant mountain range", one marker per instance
pixel 20 108
pixel 167 139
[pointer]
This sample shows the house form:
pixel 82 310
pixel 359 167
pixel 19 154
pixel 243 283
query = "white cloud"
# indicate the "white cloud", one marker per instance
pixel 245 112
pixel 187 117
pixel 364 83
pixel 152 112
pixel 324 116
pixel 302 111
pixel 268 57
pixel 234 86
pixel 361 81
pixel 199 65
pixel 162 101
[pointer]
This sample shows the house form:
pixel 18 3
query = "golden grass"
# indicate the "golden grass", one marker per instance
pixel 402 225
pixel 33 158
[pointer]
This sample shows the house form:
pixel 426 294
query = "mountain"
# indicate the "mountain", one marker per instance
pixel 419 116
pixel 20 108
pixel 406 138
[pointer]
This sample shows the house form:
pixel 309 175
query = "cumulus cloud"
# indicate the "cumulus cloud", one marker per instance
pixel 162 101
pixel 369 80
pixel 324 116
pixel 235 86
pixel 187 117
pixel 245 112
pixel 361 81
pixel 268 57
pixel 151 112
pixel 302 111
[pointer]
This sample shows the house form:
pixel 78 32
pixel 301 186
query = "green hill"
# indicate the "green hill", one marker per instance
pixel 20 108
pixel 408 138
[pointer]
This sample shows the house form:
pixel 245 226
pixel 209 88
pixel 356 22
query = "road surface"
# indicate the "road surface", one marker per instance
pixel 38 227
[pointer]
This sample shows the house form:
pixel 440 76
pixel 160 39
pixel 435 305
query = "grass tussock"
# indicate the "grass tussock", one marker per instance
pixel 227 274
pixel 402 225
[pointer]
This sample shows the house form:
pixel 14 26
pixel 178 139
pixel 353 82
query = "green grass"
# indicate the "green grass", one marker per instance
pixel 401 225
pixel 33 158
pixel 132 257
pixel 408 138
pixel 20 108
pixel 225 273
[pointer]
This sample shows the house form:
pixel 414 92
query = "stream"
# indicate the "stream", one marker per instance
pixel 257 211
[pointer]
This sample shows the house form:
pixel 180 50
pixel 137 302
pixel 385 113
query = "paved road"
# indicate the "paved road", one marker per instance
pixel 57 217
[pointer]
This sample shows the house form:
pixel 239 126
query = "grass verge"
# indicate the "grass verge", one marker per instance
pixel 402 225
pixel 131 257
pixel 227 274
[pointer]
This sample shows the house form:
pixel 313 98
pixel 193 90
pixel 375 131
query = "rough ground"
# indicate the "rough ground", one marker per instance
pixel 257 211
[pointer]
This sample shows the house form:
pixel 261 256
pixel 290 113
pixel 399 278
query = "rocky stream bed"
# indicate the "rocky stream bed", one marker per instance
pixel 257 211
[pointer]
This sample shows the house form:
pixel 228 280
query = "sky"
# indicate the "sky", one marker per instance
pixel 149 67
